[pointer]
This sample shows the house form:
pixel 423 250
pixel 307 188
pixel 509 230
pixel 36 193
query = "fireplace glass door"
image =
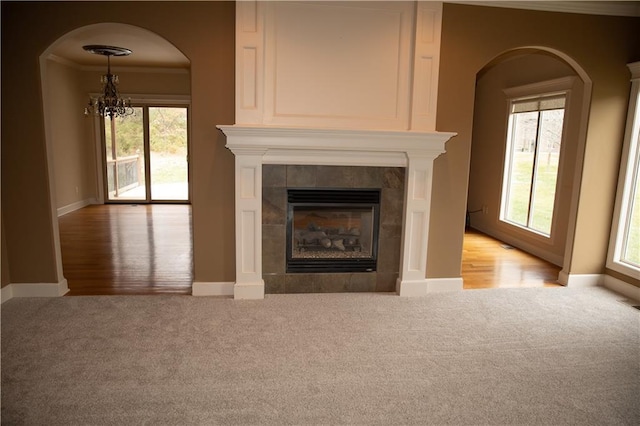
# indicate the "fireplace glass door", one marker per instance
pixel 332 230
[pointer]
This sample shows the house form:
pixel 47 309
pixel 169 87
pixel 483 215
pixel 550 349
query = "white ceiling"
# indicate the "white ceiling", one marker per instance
pixel 148 49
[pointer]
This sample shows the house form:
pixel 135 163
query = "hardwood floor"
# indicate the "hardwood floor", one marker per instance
pixel 486 263
pixel 128 249
pixel 147 249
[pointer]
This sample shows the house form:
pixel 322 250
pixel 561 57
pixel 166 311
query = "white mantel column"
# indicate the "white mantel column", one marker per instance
pixel 249 283
pixel 413 263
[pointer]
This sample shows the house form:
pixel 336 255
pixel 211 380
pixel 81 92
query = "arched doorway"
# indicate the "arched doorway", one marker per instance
pixel 523 74
pixel 156 73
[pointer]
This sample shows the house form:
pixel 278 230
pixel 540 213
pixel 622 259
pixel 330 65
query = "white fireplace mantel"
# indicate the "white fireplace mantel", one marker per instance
pixel 254 146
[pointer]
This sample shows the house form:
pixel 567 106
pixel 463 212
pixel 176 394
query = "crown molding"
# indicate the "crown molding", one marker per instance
pixel 611 8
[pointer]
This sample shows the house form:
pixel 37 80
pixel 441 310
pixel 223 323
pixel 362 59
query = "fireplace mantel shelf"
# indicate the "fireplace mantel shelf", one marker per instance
pixel 254 146
pixel 298 145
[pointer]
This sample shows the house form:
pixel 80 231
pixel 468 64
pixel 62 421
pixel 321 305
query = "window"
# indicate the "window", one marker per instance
pixel 624 248
pixel 532 160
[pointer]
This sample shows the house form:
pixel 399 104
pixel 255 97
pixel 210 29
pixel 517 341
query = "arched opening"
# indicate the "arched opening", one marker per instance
pixel 156 75
pixel 514 76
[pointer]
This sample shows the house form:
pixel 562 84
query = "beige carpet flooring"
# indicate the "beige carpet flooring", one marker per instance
pixel 555 356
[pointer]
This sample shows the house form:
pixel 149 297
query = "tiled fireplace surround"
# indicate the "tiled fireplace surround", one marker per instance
pixel 359 158
pixel 276 179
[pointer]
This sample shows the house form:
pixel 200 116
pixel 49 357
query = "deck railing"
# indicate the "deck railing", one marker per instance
pixel 124 173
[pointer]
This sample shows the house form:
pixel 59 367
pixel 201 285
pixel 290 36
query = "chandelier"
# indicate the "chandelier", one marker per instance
pixel 108 103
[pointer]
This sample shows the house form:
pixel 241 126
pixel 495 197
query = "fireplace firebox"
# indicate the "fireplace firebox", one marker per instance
pixel 332 230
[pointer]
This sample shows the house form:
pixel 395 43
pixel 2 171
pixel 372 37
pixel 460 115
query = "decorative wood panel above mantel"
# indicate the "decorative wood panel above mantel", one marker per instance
pixel 356 65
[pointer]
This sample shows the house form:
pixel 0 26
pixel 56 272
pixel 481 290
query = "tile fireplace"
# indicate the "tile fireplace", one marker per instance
pixel 334 203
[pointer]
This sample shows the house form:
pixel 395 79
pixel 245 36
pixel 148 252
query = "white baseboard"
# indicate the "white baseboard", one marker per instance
pixel 212 289
pixel 6 293
pixel 34 290
pixel 249 290
pixel 418 288
pixel 439 285
pixel 624 288
pixel 75 206
pixel 580 280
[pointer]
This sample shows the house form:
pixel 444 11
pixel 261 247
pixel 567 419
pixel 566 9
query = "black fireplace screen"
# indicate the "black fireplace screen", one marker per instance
pixel 332 230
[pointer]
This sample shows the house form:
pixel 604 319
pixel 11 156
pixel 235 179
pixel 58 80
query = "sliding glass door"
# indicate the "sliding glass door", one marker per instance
pixel 147 155
pixel 168 153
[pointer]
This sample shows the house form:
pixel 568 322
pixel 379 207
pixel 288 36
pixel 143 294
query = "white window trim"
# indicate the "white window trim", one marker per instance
pixel 628 161
pixel 563 85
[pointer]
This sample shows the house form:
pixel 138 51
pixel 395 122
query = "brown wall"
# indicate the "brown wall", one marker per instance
pixel 204 32
pixel 71 136
pixel 472 36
